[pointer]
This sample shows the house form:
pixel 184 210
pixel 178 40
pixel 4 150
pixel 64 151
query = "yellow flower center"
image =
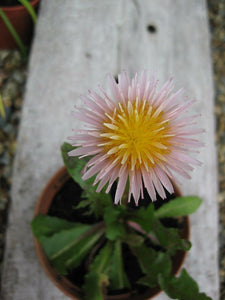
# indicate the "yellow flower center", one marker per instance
pixel 136 134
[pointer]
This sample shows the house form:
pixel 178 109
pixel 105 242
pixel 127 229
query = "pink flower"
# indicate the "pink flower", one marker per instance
pixel 139 136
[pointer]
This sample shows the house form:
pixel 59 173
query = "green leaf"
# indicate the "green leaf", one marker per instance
pixel 82 249
pixel 13 33
pixel 30 9
pixel 63 240
pixel 143 217
pixel 152 263
pixel 96 201
pixel 97 279
pixel 117 275
pixel 168 238
pixel 102 260
pixel 133 239
pixel 99 201
pixel 114 218
pixel 47 225
pixel 65 244
pixel 182 288
pixel 95 286
pixel 179 207
pixel 74 167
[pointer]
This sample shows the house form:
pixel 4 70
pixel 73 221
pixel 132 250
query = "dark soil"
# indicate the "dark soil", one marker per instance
pixel 66 200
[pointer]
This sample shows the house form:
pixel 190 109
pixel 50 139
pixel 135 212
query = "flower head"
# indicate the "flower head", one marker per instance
pixel 139 136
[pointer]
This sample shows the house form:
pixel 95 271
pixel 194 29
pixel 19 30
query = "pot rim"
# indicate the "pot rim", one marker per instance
pixel 66 286
pixel 19 7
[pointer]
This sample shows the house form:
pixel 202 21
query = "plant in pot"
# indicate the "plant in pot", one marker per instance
pixel 127 238
pixel 16 23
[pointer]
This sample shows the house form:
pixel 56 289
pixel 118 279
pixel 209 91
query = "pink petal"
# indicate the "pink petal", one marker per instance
pixel 148 184
pixel 179 109
pixel 114 88
pixel 135 184
pixel 143 83
pixel 121 185
pixel 83 150
pixel 84 118
pixel 158 186
pixel 113 177
pixel 93 170
pixel 93 106
pixel 164 179
pixel 102 183
pixel 124 83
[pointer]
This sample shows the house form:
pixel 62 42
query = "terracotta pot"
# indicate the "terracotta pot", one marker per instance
pixel 67 287
pixel 22 23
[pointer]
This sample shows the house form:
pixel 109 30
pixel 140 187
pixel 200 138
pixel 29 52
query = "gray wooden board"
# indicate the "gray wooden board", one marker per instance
pixel 75 45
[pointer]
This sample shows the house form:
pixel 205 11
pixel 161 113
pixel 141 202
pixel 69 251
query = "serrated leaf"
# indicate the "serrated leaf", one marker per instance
pixel 117 274
pixel 182 288
pixel 43 225
pixel 179 207
pixel 97 279
pixel 82 204
pixel 96 201
pixel 114 222
pixel 82 249
pixel 67 248
pixel 102 260
pixel 100 201
pixel 63 240
pixel 143 217
pixel 152 264
pixel 168 238
pixel 133 239
pixel 74 166
pixel 95 286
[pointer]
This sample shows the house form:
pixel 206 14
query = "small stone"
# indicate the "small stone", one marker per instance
pixel 8 174
pixel 221 197
pixel 3 76
pixel 3 203
pixel 14 61
pixel 5 159
pixel 3 55
pixel 1 148
pixel 217 110
pixel 10 91
pixel 9 129
pixel 15 119
pixel 18 102
pixel 12 148
pixel 221 98
pixel 19 76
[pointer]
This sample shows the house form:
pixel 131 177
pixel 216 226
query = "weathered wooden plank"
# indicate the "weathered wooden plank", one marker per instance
pixel 180 48
pixel 75 46
pixel 71 53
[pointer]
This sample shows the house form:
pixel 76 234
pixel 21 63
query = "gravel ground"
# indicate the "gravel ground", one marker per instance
pixel 13 74
pixel 217 26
